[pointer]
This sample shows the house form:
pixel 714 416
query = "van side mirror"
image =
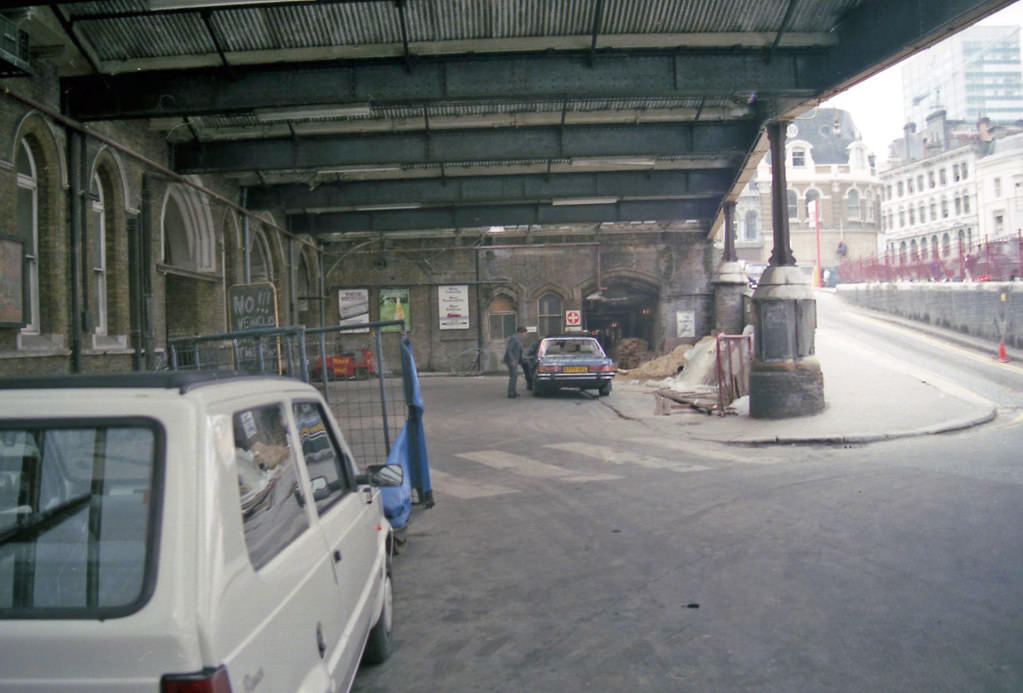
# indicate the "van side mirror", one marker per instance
pixel 382 475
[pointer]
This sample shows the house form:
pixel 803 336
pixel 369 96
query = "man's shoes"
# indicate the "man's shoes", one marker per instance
pixel 513 395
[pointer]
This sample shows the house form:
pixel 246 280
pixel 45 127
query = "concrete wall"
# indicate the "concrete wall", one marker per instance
pixel 976 309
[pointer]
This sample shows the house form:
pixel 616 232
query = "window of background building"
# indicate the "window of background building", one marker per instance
pixel 792 200
pixel 955 172
pixel 899 188
pixel 958 205
pixel 914 251
pixel 549 314
pixel 501 318
pixel 798 158
pixel 966 203
pixel 962 169
pixel 946 245
pixel 852 204
pixel 998 186
pixel 912 216
pixel 902 218
pixel 934 210
pixel 28 231
pixel 944 208
pixel 750 231
pixel 920 183
pixel 930 179
pixel 909 185
pixel 942 178
pixel 999 224
pixel 923 213
pixel 811 196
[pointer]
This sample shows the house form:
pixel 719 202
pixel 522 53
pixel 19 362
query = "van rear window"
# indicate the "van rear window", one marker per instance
pixel 77 517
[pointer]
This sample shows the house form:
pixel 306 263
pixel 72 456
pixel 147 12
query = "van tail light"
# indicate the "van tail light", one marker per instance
pixel 205 681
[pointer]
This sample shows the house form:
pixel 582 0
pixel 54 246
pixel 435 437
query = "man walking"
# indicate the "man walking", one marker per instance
pixel 512 358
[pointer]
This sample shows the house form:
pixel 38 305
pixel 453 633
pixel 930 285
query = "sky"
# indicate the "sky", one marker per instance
pixel 880 125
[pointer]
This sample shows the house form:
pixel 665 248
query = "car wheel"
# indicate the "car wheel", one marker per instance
pixel 605 389
pixel 379 643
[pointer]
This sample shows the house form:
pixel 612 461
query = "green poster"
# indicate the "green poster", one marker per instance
pixel 394 306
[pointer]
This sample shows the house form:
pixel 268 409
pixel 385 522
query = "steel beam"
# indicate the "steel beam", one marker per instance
pixel 501 215
pixel 446 79
pixel 336 196
pixel 495 144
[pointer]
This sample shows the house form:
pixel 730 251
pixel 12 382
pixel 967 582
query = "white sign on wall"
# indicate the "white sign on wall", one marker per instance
pixel 453 307
pixel 685 323
pixel 353 307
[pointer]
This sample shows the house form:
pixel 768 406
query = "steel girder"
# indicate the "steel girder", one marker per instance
pixel 696 139
pixel 445 80
pixel 335 196
pixel 506 215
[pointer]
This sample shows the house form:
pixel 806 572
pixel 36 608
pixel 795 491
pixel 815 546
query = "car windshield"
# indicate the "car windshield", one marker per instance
pixel 75 513
pixel 571 347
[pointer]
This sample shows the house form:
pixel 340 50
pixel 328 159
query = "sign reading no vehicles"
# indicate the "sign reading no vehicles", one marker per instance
pixel 252 306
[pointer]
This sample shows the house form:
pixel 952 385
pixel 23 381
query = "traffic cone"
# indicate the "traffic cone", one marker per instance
pixel 1002 356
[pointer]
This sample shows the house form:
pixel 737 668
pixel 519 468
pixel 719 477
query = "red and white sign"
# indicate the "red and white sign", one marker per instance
pixel 573 318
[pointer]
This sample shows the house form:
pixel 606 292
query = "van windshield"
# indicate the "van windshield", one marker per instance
pixel 76 507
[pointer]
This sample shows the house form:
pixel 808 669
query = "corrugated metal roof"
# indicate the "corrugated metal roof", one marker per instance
pixel 281 27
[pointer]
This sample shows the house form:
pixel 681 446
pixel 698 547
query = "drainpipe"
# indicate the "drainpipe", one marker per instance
pixel 76 158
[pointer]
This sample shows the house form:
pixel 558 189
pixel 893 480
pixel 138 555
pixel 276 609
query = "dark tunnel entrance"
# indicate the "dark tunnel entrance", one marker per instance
pixel 624 308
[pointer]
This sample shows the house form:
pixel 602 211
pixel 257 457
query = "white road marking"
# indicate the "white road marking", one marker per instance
pixel 526 466
pixel 686 447
pixel 605 454
pixel 466 489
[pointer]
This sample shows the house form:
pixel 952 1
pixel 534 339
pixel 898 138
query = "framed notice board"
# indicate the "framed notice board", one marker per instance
pixel 252 305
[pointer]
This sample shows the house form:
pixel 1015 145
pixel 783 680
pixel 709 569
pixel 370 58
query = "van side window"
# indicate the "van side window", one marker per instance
pixel 273 505
pixel 75 517
pixel 324 459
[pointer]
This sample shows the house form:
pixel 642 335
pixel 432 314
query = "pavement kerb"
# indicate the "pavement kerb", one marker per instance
pixel 860 439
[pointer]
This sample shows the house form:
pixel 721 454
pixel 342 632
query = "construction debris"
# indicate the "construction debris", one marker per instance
pixel 629 353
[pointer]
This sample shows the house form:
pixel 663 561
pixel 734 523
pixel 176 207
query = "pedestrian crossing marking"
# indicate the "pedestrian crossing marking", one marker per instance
pixel 689 448
pixel 605 454
pixel 465 489
pixel 528 467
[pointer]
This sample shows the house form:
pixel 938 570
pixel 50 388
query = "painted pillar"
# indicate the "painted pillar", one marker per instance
pixel 786 378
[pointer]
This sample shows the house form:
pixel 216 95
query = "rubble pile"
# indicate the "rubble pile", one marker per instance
pixel 629 353
pixel 666 366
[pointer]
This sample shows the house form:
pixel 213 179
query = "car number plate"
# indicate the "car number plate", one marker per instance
pixel 574 369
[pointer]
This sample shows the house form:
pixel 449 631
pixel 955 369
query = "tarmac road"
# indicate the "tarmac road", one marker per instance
pixel 578 545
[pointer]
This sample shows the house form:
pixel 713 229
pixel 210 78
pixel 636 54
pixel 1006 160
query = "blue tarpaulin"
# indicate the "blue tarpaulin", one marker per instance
pixel 409 451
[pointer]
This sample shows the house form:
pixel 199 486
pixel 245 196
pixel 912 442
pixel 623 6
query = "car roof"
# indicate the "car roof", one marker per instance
pixel 182 381
pixel 570 335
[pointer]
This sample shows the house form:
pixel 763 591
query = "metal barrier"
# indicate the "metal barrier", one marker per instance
pixel 361 374
pixel 1000 259
pixel 734 354
pixel 358 369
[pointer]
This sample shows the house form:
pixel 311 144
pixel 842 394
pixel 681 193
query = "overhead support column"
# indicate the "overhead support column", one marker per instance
pixel 729 281
pixel 786 378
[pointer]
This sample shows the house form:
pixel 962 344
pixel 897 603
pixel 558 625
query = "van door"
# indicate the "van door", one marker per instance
pixel 270 623
pixel 355 531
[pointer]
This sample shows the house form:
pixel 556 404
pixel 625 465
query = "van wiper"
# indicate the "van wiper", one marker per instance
pixel 32 525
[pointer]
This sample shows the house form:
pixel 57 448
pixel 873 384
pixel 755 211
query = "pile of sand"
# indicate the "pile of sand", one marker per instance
pixel 666 366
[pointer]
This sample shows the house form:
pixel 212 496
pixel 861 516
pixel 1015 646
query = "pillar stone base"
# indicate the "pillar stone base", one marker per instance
pixel 729 284
pixel 786 389
pixel 785 378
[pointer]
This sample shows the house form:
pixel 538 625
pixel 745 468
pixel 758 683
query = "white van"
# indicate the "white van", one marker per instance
pixel 176 532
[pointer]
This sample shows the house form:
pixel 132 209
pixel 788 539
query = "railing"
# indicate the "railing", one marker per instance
pixel 997 260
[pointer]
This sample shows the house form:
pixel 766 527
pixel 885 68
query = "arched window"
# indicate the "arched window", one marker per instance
pixel 259 258
pixel 923 248
pixel 852 204
pixel 811 196
pixel 501 318
pixel 946 245
pixel 902 253
pixel 97 245
pixel 28 231
pixel 792 203
pixel 750 230
pixel 549 314
pixel 914 251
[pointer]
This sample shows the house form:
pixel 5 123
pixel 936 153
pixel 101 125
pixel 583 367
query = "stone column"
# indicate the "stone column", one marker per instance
pixel 786 378
pixel 729 282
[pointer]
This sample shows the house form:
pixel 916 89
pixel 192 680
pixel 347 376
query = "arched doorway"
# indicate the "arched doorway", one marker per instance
pixel 626 307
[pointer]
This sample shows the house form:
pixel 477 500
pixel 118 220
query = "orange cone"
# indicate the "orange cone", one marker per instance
pixel 1002 356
